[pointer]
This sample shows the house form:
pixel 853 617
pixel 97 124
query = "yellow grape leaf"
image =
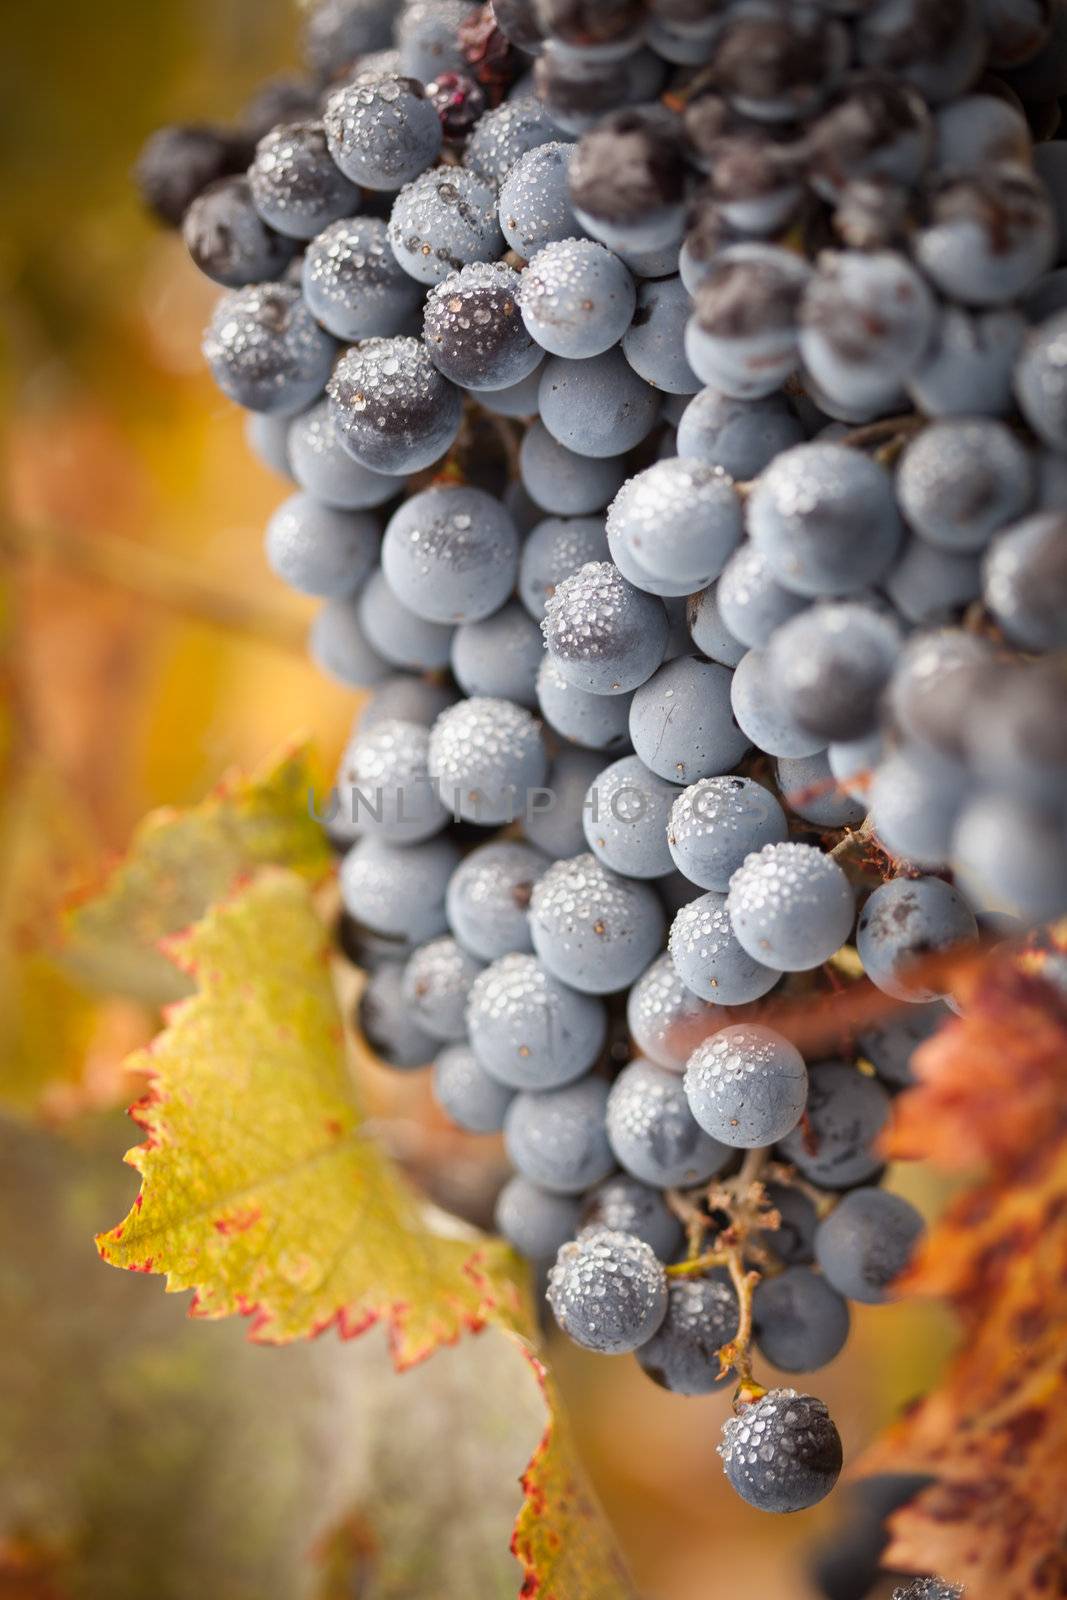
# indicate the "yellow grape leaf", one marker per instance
pixel 182 862
pixel 562 1538
pixel 263 1190
pixel 992 1091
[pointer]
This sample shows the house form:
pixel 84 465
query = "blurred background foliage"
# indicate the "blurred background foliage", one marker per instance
pixel 146 648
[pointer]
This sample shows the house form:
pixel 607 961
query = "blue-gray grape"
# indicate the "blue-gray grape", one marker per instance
pixel 626 1205
pixel 834 1146
pixel 486 756
pixel 397 634
pixel 1025 581
pixel 596 407
pixel 534 1221
pixel 625 819
pixel 595 721
pixel 466 1093
pixel 354 285
pixel 683 1354
pixel 782 1452
pixel 385 785
pixel 678 519
pixel 443 220
pixel 716 823
pixel 829 666
pixel 654 344
pixel 682 723
pixel 608 1292
pixel 740 436
pixel 557 1138
pixel 555 819
pixel 593 928
pixel 790 906
pixel 905 920
pixel 385 1021
pixel 653 1132
pixel 451 554
pixel 473 331
pixel 746 1086
pixel 709 958
pixel 399 890
pixel 866 1242
pixel 489 896
pixel 339 647
pixel 392 408
pixel 799 1321
pixel 296 185
pixel 811 791
pixel 577 299
pixel 324 468
pixel 382 130
pixel 535 207
pixel 665 1018
pixel 563 482
pixel 709 632
pixel 266 351
pixel 437 980
pixel 320 550
pixel 961 480
pixel 529 1030
pixel 499 656
pixel 605 636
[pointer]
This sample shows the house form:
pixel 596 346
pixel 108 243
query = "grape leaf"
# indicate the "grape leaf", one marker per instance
pixel 992 1090
pixel 263 1190
pixel 180 863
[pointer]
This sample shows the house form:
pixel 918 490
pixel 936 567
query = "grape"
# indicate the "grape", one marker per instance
pixel 1010 855
pixel 577 298
pixel 554 819
pixel 473 330
pixel 865 322
pixel 451 554
pixel 295 185
pixel 708 631
pixel 519 22
pixel 890 1045
pixel 537 1224
pixel 392 408
pixel 793 1241
pixel 353 284
pixel 466 1093
pixel 742 337
pixel 810 789
pixel 1016 736
pixel 1051 168
pixel 535 207
pixel 443 220
pixel 932 688
pixel 178 163
pixel 426 34
pixel 385 1021
pixel 265 350
pixel 652 1131
pixel 385 786
pixel 635 571
pixel 557 1138
pixel 605 636
pixel 866 1242
pixel 806 512
pixel 680 520
pixel 928 1589
pixel 323 467
pixel 577 93
pixel 627 181
pixel 319 550
pixel 878 128
pixel 978 131
pixel 397 634
pixel 708 958
pixel 915 799
pixel 486 755
pixel 800 1323
pixel 399 890
pixel 740 436
pixel 382 130
pixel 335 32
pixel 790 905
pixel 853 762
pixel 499 656
pixel 597 721
pixel 753 180
pixel 829 666
pixel 592 928
pixel 608 1292
pixel 529 1030
pixel 990 235
pixel 683 1354
pixel 681 722
pixel 506 134
pixel 746 1086
pixel 759 714
pixel 268 438
pixel 959 481
pixel 339 647
pixel 1026 581
pixel 782 1452
pixel 435 985
pixel 625 1205
pixel 665 1018
pixel 570 485
pixel 406 699
pixel 904 920
pixel 517 400
pixel 833 1146
pixel 489 895
pixel 654 342
pixel 625 819
pixel 556 548
pixel 596 407
pixel 228 239
pixel 716 823
pixel 928 584
pixel 940 50
pixel 776 65
pixel 968 363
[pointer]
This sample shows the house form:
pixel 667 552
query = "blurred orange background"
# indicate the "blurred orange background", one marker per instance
pixel 148 648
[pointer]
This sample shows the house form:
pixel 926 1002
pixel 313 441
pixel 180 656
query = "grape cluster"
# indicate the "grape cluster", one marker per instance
pixel 675 399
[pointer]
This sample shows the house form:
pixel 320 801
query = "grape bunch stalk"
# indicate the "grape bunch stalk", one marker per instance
pixel 674 395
